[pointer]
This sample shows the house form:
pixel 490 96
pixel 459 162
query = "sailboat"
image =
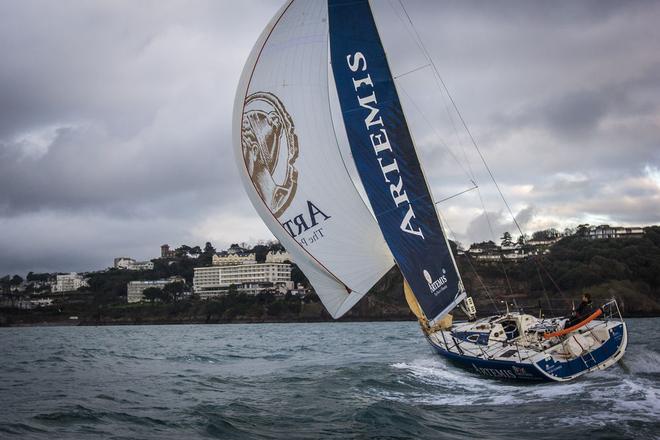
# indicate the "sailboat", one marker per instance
pixel 345 236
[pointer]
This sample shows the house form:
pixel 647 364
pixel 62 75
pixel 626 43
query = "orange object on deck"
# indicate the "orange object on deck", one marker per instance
pixel 590 318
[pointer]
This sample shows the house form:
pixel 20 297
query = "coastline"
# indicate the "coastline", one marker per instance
pixel 78 323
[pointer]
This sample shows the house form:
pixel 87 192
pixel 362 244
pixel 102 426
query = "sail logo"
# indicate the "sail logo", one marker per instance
pixel 306 221
pixel 270 148
pixel 363 84
pixel 439 284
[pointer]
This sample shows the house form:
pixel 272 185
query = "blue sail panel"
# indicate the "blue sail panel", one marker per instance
pixel 386 160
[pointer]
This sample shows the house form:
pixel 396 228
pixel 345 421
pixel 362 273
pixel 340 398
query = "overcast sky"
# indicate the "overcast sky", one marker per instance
pixel 115 119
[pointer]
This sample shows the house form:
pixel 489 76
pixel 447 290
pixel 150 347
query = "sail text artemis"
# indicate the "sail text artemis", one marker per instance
pixel 357 63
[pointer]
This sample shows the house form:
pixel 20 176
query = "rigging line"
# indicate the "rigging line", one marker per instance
pixel 492 234
pixel 411 71
pixel 545 293
pixel 538 262
pixel 481 281
pixel 420 46
pixel 506 275
pixel 435 132
pixel 458 194
pixel 438 77
pixel 459 141
pixel 470 171
pixel 468 259
pixel 460 116
pixel 468 174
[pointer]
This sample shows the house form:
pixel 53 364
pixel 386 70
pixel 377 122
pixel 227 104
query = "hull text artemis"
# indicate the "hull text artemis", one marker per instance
pixel 380 142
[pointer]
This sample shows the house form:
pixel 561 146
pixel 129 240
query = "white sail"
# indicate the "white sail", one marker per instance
pixel 291 167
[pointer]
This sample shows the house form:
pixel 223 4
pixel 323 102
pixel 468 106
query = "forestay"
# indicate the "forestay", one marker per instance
pixel 290 164
pixel 386 160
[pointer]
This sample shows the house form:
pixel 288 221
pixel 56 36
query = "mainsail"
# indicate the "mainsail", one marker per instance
pixel 290 163
pixel 386 159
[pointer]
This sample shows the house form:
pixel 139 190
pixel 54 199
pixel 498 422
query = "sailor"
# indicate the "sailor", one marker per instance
pixel 583 310
pixel 585 307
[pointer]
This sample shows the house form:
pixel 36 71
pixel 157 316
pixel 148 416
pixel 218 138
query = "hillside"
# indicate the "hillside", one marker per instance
pixel 626 268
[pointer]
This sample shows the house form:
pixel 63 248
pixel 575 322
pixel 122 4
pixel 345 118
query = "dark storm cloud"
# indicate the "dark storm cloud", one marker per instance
pixel 115 127
pixel 115 119
pixel 85 167
pixel 562 97
pixel 579 112
pixel 136 101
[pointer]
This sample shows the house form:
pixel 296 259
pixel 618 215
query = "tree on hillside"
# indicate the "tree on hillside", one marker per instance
pixel 16 280
pixel 582 230
pixel 455 246
pixel 490 244
pixel 31 276
pixel 298 277
pixel 260 252
pixel 507 240
pixel 174 290
pixel 5 283
pixel 165 296
pixel 206 257
pixel 546 234
pixel 182 251
pixel 539 236
pixel 152 293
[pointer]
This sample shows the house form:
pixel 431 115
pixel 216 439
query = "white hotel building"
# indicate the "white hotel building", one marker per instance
pixel 249 278
pixel 68 282
pixel 135 289
pixel 130 264
pixel 231 259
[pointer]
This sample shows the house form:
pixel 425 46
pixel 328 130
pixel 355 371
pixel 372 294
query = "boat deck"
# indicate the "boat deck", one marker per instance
pixel 521 347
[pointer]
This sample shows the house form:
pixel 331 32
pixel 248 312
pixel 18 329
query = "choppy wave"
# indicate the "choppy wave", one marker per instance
pixel 352 380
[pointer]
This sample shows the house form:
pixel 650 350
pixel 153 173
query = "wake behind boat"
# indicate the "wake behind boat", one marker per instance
pixel 314 57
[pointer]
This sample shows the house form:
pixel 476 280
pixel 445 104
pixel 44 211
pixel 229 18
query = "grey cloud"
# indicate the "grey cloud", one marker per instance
pixel 576 114
pixel 115 118
pixel 141 96
pixel 115 126
pixel 490 225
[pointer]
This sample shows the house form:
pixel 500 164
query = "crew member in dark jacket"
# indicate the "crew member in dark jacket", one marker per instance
pixel 584 309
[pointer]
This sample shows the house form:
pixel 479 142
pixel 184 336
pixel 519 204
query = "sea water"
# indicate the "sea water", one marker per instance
pixel 326 380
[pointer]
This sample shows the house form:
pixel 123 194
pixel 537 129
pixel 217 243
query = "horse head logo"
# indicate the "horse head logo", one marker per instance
pixel 270 149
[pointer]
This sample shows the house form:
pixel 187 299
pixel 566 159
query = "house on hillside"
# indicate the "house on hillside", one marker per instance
pixel 607 231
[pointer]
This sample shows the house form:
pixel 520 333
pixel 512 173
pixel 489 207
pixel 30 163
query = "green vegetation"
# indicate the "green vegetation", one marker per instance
pixel 625 268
